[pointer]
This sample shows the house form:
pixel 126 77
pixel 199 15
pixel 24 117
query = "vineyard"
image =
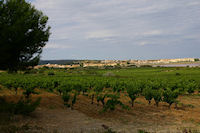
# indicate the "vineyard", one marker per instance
pixel 108 87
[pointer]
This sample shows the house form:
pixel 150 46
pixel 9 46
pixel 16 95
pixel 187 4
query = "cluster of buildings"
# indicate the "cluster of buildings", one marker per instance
pixel 57 66
pixel 163 61
pixel 122 63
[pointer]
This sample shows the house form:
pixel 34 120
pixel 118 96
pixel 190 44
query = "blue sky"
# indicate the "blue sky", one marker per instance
pixel 121 29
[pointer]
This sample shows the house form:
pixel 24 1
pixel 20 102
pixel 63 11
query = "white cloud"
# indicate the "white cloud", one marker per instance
pixel 152 33
pixel 194 3
pixel 100 34
pixel 86 24
pixel 57 46
pixel 143 43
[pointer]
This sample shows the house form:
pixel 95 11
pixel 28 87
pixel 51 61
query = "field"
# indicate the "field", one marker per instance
pixel 105 100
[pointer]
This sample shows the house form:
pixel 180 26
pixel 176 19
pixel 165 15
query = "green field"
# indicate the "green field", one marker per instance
pixel 163 84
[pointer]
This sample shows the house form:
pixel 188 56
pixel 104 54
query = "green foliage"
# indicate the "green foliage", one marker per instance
pixel 178 74
pixel 109 130
pixel 23 107
pixel 191 86
pixel 28 89
pixel 31 71
pixel 149 82
pixel 112 102
pixel 101 98
pixel 26 107
pixel 51 73
pixel 133 92
pixel 148 94
pixel 74 99
pixel 66 98
pixel 157 96
pixel 69 96
pixel 142 131
pixel 170 96
pixel 23 34
pixel 118 86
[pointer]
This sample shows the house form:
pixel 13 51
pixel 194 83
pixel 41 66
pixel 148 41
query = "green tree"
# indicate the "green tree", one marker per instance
pixel 23 34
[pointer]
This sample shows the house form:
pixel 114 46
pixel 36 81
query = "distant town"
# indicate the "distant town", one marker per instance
pixel 182 62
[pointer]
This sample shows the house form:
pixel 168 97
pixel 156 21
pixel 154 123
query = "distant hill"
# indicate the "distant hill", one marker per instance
pixel 59 62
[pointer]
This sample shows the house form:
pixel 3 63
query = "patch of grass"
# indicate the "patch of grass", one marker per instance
pixel 139 102
pixel 142 131
pixel 186 105
pixel 109 131
pixel 51 107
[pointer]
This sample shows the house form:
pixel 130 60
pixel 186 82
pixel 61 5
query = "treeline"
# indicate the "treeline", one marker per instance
pixel 59 62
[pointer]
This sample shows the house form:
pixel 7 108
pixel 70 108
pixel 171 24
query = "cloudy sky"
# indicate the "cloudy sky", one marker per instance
pixel 121 29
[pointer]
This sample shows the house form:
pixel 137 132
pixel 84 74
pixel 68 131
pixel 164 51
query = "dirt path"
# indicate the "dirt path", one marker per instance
pixel 53 117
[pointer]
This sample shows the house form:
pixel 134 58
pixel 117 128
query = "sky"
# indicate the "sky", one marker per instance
pixel 121 29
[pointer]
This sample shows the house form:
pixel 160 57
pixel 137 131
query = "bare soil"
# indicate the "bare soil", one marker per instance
pixel 53 117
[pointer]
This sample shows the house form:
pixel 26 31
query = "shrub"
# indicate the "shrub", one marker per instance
pixel 101 98
pixel 51 73
pixel 29 88
pixel 13 84
pixel 66 98
pixel 74 99
pixel 178 74
pixel 148 94
pixel 170 96
pixel 191 87
pixel 24 107
pixel 157 96
pixel 132 93
pixel 113 100
pixel 31 71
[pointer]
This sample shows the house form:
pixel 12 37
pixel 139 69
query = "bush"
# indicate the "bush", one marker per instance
pixel 191 87
pixel 112 102
pixel 66 98
pixel 178 74
pixel 148 94
pixel 157 96
pixel 101 98
pixel 24 107
pixel 132 93
pixel 74 99
pixel 51 73
pixel 29 88
pixel 31 71
pixel 170 96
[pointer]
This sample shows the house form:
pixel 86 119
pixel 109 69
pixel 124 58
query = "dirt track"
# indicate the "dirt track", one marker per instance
pixel 53 116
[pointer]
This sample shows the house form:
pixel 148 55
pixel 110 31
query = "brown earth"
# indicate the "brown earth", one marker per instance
pixel 53 117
